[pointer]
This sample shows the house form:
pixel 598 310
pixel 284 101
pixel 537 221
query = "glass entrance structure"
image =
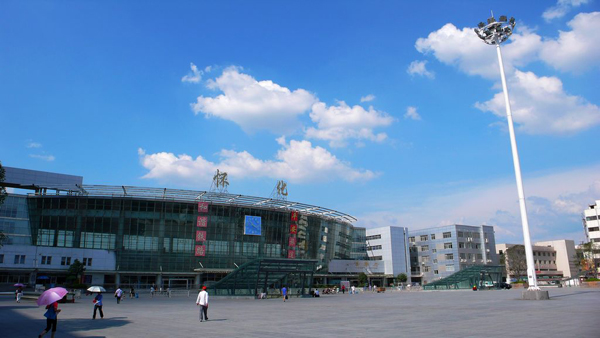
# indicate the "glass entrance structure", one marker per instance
pixel 267 276
pixel 479 275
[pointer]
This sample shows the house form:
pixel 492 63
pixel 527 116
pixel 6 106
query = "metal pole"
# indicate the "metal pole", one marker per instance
pixel 531 277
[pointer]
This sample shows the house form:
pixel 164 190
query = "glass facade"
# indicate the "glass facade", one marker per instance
pixel 164 236
pixel 14 221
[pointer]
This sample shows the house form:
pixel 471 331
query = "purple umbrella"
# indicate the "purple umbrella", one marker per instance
pixel 51 295
pixel 19 285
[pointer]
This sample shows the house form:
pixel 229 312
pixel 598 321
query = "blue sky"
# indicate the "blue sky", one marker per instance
pixel 391 112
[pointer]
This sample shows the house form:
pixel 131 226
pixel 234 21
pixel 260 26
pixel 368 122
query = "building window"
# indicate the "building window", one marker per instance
pixel 477 246
pixel 376 258
pixel 447 234
pixel 479 256
pixel 460 234
pixel 425 268
pixel 1 258
pixel 425 259
pixel 432 236
pixel 374 247
pixel 46 260
pixel 449 257
pixel 435 261
pixel 423 237
pixel 425 248
pixel 594 229
pixel 19 259
pixel 87 262
pixel 411 239
pixel 435 272
pixel 449 267
pixel 373 237
pixel 476 235
pixel 65 261
pixel 447 245
pixel 434 250
pixel 591 218
pixel 461 245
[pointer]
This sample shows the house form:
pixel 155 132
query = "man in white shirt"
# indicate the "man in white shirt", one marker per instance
pixel 202 300
pixel 118 294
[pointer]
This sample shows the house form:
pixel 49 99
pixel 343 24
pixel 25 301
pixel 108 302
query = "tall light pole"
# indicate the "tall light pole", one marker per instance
pixel 494 33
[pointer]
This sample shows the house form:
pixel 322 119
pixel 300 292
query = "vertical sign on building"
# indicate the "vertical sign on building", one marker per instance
pixel 292 238
pixel 201 222
pixel 302 236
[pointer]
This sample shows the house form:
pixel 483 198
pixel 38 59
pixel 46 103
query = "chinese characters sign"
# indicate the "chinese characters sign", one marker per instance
pixel 202 207
pixel 291 253
pixel 294 216
pixel 200 250
pixel 202 221
pixel 293 229
pixel 200 236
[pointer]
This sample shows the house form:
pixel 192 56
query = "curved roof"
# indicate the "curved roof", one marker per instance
pixel 211 197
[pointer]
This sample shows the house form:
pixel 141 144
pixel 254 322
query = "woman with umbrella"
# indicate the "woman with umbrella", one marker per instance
pixel 97 300
pixel 19 292
pixel 50 298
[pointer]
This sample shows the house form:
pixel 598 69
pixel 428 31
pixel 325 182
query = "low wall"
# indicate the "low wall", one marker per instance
pixel 590 284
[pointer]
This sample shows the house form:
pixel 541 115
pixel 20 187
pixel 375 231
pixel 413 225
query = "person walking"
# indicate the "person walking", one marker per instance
pixel 51 315
pixel 131 293
pixel 353 290
pixel 98 305
pixel 152 291
pixel 343 289
pixel 202 301
pixel 119 294
pixel 19 294
pixel 284 293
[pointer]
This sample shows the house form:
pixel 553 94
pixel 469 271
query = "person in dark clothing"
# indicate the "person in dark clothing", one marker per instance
pixel 98 305
pixel 51 315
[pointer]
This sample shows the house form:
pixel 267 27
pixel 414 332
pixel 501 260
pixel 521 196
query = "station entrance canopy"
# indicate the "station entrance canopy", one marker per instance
pixel 480 275
pixel 267 276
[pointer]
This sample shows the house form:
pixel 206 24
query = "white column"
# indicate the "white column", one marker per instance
pixel 531 277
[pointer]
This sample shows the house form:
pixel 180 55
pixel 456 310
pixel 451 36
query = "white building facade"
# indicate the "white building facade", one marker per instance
pixel 389 245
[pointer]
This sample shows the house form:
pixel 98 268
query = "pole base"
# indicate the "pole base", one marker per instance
pixel 535 295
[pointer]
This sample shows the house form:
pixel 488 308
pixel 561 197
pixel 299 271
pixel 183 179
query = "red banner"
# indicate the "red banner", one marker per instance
pixel 200 250
pixel 291 253
pixel 294 216
pixel 200 236
pixel 202 221
pixel 202 207
pixel 292 241
pixel 293 229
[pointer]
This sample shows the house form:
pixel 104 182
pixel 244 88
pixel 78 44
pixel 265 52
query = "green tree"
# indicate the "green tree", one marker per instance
pixel 3 195
pixel 76 271
pixel 362 279
pixel 516 261
pixel 402 278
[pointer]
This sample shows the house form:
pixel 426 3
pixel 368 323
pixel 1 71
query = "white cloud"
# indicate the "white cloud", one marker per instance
pixel 31 144
pixel 578 49
pixel 367 98
pixel 48 158
pixel 194 76
pixel 561 8
pixel 541 106
pixel 555 202
pixel 254 105
pixel 419 68
pixel 296 161
pixel 411 113
pixel 338 124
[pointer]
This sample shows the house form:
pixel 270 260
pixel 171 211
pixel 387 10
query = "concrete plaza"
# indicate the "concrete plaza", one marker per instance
pixel 570 312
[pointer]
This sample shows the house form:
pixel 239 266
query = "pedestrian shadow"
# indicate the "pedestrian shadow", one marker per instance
pixel 216 320
pixel 87 324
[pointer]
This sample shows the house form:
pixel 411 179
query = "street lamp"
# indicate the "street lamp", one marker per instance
pixel 494 33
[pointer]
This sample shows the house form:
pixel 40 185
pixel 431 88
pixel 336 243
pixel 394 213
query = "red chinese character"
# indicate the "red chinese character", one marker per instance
pixel 200 250
pixel 292 241
pixel 202 221
pixel 291 254
pixel 294 215
pixel 293 229
pixel 200 236
pixel 202 207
